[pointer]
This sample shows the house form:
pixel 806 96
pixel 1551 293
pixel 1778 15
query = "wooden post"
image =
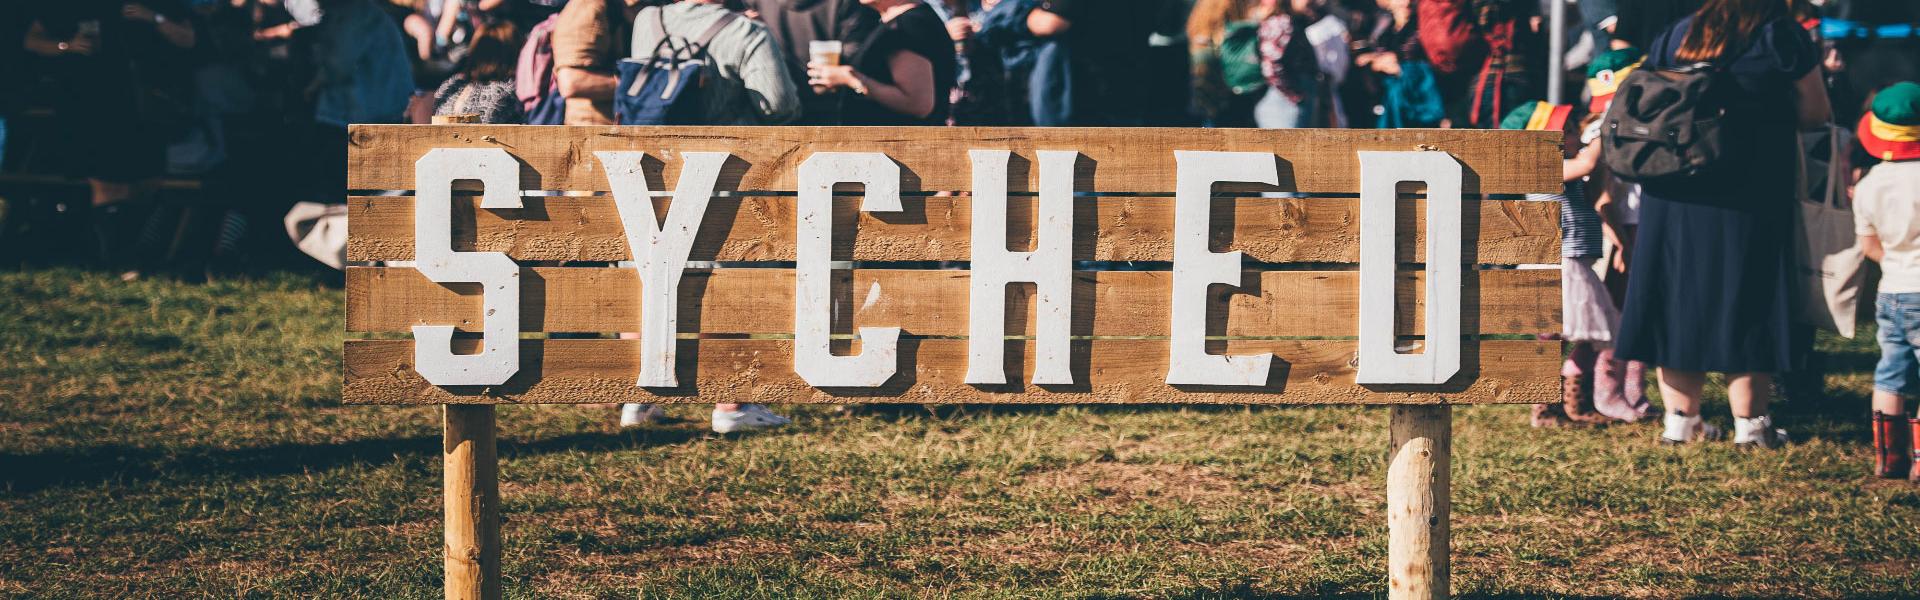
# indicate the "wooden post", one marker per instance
pixel 1418 484
pixel 472 502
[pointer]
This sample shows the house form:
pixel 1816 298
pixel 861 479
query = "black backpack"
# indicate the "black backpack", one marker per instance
pixel 1666 124
pixel 1671 124
pixel 668 86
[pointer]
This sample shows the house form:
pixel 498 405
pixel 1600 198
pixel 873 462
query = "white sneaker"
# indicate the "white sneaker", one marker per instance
pixel 1758 432
pixel 748 417
pixel 636 415
pixel 1684 429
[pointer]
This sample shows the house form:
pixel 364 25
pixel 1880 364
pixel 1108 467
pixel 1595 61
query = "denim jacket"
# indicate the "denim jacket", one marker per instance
pixel 363 70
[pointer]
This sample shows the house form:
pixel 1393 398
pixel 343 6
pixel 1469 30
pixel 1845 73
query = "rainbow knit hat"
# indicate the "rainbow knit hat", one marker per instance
pixel 1538 116
pixel 1891 131
pixel 1605 73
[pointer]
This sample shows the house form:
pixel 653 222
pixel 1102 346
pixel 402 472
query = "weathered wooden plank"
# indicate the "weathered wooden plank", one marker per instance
pixel 938 228
pixel 935 158
pixel 934 302
pixel 933 371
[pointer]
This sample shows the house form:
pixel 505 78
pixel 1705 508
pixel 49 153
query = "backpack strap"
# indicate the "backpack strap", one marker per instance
pixel 700 45
pixel 659 22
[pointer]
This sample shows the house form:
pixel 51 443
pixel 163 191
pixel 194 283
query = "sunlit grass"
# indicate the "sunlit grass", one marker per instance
pixel 159 439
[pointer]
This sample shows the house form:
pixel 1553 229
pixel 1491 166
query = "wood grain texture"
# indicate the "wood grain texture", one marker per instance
pixel 1419 503
pixel 935 158
pixel 471 494
pixel 934 303
pixel 1277 230
pixel 933 371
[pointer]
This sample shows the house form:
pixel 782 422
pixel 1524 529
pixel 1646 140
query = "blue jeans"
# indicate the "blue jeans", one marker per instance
pixel 1899 368
pixel 1276 111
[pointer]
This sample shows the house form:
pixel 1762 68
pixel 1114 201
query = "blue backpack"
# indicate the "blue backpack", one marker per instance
pixel 666 87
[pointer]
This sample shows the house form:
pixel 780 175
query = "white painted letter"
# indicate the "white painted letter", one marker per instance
pixel 660 252
pixel 813 357
pixel 499 278
pixel 1380 173
pixel 1049 267
pixel 1195 268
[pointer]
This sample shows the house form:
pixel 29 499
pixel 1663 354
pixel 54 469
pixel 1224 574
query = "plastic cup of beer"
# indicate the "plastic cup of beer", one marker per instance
pixel 826 53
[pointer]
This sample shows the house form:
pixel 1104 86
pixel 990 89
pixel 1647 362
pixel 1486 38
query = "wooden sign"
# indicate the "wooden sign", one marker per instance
pixel 954 265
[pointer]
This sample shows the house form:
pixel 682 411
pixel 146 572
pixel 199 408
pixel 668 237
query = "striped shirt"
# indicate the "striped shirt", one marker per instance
pixel 1580 235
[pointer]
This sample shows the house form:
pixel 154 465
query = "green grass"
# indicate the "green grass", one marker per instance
pixel 167 440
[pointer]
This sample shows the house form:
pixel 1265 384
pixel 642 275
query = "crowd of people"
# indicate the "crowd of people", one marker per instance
pixel 1688 275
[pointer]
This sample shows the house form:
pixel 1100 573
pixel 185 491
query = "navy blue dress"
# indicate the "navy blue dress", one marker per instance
pixel 1710 287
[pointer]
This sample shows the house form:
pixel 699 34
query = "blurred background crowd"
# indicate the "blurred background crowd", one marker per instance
pixel 202 138
pixel 177 134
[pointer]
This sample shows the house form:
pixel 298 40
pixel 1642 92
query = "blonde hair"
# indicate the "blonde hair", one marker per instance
pixel 1209 19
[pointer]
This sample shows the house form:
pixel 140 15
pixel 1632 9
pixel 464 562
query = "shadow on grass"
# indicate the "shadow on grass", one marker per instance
pixel 1519 595
pixel 121 464
pixel 896 412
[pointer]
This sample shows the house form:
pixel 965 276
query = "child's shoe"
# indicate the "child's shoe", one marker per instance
pixel 1683 429
pixel 1550 415
pixel 748 417
pixel 1614 391
pixel 1757 432
pixel 1913 434
pixel 639 415
pixel 1891 446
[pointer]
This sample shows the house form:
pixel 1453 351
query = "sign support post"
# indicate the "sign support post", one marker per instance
pixel 1419 502
pixel 472 491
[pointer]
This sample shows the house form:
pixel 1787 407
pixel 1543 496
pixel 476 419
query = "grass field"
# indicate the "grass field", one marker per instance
pixel 159 439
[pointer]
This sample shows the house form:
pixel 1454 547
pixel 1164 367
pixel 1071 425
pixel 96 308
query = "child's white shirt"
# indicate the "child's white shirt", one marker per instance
pixel 1886 203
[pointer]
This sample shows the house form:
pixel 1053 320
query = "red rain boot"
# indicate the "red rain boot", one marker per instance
pixel 1891 446
pixel 1913 437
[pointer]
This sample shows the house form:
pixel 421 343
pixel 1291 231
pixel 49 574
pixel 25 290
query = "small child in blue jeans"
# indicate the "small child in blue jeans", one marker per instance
pixel 1886 214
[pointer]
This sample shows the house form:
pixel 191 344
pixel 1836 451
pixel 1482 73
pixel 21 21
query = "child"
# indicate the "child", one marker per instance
pixel 1588 314
pixel 1886 214
pixel 1619 387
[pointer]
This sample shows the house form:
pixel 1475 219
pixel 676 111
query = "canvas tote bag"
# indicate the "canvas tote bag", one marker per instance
pixel 1830 261
pixel 320 230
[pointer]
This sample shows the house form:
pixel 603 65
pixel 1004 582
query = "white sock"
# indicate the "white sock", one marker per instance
pixel 1680 428
pixel 1752 429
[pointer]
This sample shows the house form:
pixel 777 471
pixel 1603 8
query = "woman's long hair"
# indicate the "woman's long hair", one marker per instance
pixel 1723 27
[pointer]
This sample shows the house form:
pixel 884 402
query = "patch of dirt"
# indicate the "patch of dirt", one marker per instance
pixel 1119 482
pixel 1044 545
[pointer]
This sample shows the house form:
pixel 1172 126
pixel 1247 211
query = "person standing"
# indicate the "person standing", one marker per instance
pixel 589 39
pixel 361 76
pixel 1619 388
pixel 483 85
pixel 747 84
pixel 1223 50
pixel 1712 280
pixel 1403 80
pixel 1106 41
pixel 795 25
pixel 122 96
pixel 905 70
pixel 1589 315
pixel 1294 80
pixel 1886 214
